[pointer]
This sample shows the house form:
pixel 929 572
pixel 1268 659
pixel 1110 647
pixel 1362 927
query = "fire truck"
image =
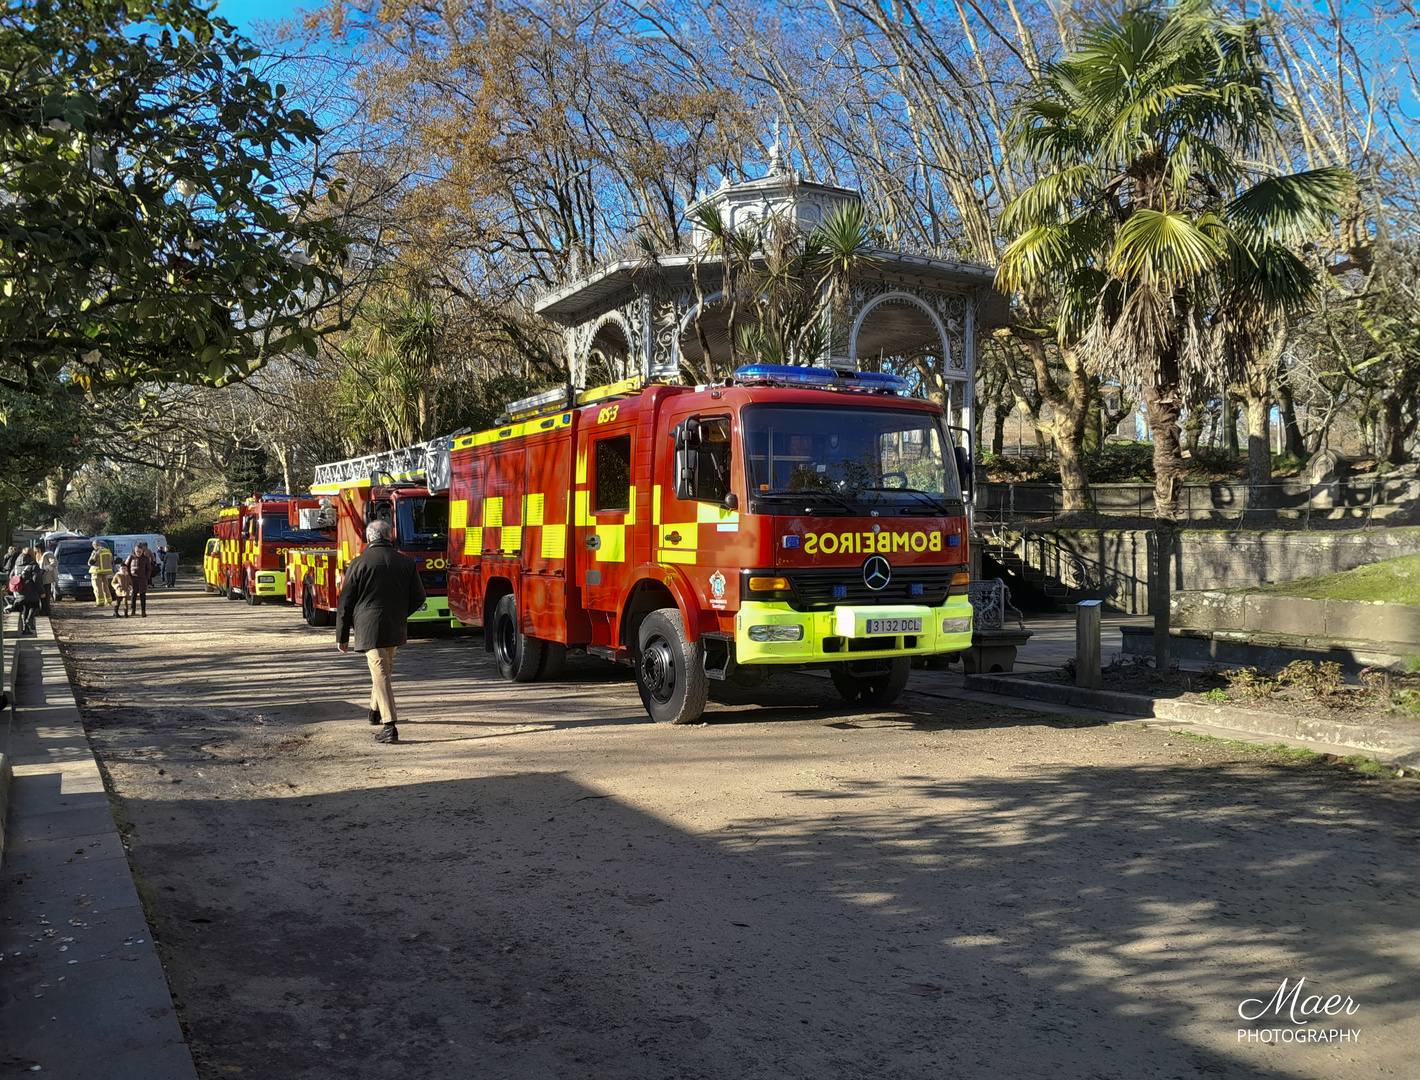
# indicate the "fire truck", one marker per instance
pixel 791 516
pixel 386 486
pixel 255 539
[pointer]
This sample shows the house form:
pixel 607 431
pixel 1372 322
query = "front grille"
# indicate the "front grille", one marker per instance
pixel 434 579
pixel 813 590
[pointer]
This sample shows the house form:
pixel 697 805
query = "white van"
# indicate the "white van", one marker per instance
pixel 122 545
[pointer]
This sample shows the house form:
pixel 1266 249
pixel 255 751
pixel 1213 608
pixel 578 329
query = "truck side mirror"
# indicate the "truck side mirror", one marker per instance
pixel 687 446
pixel 964 469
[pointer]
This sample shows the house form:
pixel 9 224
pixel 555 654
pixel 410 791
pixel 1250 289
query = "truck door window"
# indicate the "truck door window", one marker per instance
pixel 712 467
pixel 613 474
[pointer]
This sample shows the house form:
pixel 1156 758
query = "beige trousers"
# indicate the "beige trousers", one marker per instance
pixel 103 588
pixel 381 663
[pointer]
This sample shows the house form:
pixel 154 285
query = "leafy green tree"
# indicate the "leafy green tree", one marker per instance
pixel 1150 217
pixel 148 231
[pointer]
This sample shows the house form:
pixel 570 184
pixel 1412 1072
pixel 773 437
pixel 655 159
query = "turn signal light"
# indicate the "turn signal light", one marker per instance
pixel 961 579
pixel 768 584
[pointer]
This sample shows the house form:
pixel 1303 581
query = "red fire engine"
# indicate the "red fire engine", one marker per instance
pixel 790 516
pixel 256 538
pixel 353 494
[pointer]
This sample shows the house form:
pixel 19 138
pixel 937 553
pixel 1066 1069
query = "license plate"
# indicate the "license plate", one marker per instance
pixel 894 626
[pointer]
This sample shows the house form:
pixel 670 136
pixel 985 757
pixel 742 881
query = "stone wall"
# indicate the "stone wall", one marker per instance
pixel 1393 627
pixel 1114 563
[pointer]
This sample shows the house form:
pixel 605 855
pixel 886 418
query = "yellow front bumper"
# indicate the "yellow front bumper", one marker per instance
pixel 841 633
pixel 436 609
pixel 270 583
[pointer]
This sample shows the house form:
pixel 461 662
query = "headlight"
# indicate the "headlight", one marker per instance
pixel 956 626
pixel 266 579
pixel 776 633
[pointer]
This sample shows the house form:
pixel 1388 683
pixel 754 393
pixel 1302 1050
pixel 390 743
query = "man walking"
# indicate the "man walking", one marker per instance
pixel 381 591
pixel 101 573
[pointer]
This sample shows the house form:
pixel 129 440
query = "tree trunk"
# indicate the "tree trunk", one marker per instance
pixel 1161 405
pixel 1193 430
pixel 1259 447
pixel 1394 431
pixel 1296 443
pixel 1163 591
pixel 998 429
pixel 1230 428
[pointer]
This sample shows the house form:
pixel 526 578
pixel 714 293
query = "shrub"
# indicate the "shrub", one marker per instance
pixel 1251 682
pixel 1217 695
pixel 1314 680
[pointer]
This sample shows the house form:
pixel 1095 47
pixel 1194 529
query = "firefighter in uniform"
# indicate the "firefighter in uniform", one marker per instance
pixel 101 574
pixel 380 592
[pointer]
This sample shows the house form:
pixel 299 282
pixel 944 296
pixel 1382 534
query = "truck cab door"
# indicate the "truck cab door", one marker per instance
pixel 604 509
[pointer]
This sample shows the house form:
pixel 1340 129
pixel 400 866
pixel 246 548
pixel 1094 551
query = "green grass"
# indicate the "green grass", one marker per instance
pixel 1299 753
pixel 1362 764
pixel 1393 581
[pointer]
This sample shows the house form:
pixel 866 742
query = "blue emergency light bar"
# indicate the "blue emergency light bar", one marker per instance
pixel 792 375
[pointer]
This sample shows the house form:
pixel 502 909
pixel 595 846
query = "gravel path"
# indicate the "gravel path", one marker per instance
pixel 541 883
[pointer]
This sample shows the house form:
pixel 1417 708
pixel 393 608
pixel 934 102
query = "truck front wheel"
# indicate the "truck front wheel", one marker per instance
pixel 670 671
pixel 231 592
pixel 519 656
pixel 873 688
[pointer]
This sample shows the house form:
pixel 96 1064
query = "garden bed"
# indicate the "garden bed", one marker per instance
pixel 1301 686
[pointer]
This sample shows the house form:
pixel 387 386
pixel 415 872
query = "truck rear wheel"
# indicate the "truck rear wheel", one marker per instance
pixel 519 656
pixel 881 687
pixel 231 592
pixel 670 670
pixel 313 615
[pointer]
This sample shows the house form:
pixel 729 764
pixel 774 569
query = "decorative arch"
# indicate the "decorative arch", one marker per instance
pixel 901 297
pixel 630 360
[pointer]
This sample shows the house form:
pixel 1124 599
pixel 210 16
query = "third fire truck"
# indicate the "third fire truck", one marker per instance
pixel 387 486
pixel 255 539
pixel 791 516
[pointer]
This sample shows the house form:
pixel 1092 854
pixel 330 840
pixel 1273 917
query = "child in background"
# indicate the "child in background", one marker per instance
pixel 122 588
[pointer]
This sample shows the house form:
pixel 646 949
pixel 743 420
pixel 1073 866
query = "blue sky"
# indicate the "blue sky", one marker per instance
pixel 244 13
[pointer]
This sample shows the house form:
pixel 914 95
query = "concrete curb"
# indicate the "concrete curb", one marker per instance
pixel 1389 743
pixel 103 1011
pixel 9 671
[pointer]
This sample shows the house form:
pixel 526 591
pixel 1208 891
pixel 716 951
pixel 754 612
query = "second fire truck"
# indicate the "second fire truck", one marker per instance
pixel 387 486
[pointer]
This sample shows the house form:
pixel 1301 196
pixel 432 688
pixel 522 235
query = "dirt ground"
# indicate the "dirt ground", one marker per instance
pixel 540 883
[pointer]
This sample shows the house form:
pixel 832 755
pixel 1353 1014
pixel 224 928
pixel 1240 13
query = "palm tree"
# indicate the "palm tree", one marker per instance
pixel 1152 211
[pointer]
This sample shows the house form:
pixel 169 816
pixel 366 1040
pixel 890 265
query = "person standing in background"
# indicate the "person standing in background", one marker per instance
pixel 142 566
pixel 27 568
pixel 49 566
pixel 169 559
pixel 101 573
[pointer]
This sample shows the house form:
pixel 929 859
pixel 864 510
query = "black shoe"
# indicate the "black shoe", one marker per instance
pixel 387 734
pixel 374 716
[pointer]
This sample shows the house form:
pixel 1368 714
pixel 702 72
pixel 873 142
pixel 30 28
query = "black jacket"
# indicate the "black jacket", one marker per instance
pixel 381 591
pixel 33 578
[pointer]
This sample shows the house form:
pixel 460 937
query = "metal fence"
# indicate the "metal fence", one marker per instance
pixel 1354 500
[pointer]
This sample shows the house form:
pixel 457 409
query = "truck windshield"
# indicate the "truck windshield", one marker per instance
pixel 423 523
pixel 865 456
pixel 277 528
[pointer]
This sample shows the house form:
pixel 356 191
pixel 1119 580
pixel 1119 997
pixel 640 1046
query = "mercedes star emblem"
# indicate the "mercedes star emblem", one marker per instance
pixel 877 572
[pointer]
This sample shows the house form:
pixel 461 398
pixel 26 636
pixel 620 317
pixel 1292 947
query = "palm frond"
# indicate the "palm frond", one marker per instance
pixel 1162 248
pixel 1291 208
pixel 1052 198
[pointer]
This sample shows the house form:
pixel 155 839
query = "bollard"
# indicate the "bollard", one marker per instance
pixel 1087 644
